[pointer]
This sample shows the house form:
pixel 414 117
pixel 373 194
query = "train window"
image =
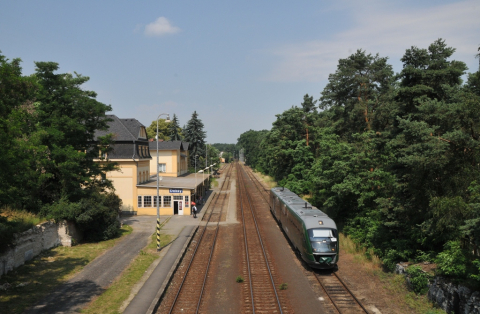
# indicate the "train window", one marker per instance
pixel 322 233
pixel 322 240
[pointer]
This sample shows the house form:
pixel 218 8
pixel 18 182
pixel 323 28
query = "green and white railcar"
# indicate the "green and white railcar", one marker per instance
pixel 312 233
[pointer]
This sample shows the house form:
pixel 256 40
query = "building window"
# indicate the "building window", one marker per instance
pixel 178 198
pixel 167 201
pixel 186 201
pixel 140 201
pixel 102 154
pixel 147 201
pixel 155 201
pixel 162 167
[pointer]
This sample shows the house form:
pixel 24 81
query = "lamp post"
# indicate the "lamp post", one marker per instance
pixel 158 183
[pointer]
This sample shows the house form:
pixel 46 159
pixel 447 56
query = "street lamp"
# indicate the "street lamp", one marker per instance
pixel 158 183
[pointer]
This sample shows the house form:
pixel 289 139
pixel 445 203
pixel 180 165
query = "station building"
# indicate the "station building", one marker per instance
pixel 135 181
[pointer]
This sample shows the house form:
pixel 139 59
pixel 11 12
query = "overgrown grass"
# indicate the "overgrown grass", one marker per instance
pixel 392 282
pixel 269 181
pixel 213 182
pixel 15 221
pixel 114 297
pixel 37 278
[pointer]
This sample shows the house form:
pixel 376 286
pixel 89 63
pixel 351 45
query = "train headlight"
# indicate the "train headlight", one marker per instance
pixel 320 222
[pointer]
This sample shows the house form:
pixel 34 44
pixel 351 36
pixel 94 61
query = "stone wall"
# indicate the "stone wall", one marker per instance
pixel 28 244
pixel 452 298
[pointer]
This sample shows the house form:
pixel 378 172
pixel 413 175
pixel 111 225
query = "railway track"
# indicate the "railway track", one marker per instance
pixel 264 192
pixel 260 292
pixel 190 290
pixel 341 297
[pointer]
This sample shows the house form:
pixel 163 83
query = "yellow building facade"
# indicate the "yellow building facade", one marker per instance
pixel 135 180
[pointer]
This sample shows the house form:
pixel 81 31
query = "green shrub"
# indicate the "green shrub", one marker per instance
pixel 476 264
pixel 239 279
pixel 96 215
pixel 418 279
pixel 392 257
pixel 283 286
pixel 452 261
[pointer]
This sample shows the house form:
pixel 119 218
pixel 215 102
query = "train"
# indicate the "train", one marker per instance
pixel 312 233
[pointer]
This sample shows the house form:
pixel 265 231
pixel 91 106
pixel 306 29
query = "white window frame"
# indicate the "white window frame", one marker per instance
pixel 162 167
pixel 167 199
pixel 147 201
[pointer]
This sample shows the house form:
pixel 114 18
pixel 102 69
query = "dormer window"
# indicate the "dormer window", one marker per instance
pixel 142 133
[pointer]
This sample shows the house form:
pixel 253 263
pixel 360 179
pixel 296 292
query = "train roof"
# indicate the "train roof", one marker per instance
pixel 310 214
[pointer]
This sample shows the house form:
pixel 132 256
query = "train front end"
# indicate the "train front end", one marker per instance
pixel 324 245
pixel 322 240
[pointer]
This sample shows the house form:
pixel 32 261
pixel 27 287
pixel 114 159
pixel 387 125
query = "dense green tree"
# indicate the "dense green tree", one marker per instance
pixel 47 125
pixel 68 117
pixel 163 130
pixel 195 136
pixel 175 132
pixel 228 150
pixel 357 92
pixel 17 120
pixel 250 142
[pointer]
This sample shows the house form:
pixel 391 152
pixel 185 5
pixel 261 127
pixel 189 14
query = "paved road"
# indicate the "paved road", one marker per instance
pixel 71 296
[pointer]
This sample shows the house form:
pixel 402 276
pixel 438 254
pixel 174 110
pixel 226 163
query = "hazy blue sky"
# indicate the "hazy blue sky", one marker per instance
pixel 237 63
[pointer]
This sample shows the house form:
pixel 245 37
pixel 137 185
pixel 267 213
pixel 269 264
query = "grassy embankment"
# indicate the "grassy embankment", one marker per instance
pixel 394 283
pixel 15 221
pixel 31 282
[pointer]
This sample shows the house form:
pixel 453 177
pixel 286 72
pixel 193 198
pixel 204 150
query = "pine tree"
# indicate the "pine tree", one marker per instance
pixel 195 136
pixel 174 129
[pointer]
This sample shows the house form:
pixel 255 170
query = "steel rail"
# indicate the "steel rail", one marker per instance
pixel 246 246
pixel 195 251
pixel 256 182
pixel 214 243
pixel 346 288
pixel 341 281
pixel 261 242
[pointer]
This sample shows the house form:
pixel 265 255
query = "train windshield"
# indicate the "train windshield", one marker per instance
pixel 323 240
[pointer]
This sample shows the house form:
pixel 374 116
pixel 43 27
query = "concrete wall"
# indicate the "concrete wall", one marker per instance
pixel 32 242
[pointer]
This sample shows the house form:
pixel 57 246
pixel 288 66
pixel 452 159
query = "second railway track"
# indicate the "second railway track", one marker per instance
pixel 261 295
pixel 190 289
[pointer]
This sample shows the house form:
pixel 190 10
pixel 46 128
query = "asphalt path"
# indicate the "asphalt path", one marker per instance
pixel 92 281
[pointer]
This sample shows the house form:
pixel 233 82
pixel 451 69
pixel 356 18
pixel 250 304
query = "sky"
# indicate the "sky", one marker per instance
pixel 236 63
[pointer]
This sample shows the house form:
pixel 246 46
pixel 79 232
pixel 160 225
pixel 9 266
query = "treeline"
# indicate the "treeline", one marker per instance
pixel 193 133
pixel 394 158
pixel 229 151
pixel 47 127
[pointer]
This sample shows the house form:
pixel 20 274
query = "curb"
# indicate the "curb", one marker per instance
pixel 156 301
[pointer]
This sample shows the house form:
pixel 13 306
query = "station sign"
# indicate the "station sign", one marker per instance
pixel 176 190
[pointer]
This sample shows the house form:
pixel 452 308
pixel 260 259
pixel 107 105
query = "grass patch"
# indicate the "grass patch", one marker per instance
pixel 269 181
pixel 36 279
pixel 394 283
pixel 113 298
pixel 239 279
pixel 213 182
pixel 15 221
